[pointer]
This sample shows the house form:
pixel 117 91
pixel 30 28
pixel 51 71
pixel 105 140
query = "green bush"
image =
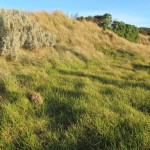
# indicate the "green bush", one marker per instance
pixel 130 32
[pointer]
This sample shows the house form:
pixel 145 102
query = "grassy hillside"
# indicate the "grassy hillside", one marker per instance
pixel 95 86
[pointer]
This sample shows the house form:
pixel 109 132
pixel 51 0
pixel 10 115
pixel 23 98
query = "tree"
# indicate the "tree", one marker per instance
pixel 80 18
pixel 89 18
pixel 119 28
pixel 98 19
pixel 130 32
pixel 106 21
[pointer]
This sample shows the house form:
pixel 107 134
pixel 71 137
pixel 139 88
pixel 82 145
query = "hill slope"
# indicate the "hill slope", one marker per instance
pixel 95 86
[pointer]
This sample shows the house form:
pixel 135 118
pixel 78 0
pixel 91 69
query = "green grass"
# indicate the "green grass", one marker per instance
pixel 89 105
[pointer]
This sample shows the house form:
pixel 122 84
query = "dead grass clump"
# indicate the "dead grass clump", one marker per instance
pixel 36 98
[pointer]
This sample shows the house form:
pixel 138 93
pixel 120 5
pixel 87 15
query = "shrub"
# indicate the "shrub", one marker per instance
pixel 130 32
pixel 17 31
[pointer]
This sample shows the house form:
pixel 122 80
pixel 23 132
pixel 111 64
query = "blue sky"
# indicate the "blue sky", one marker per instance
pixel 135 12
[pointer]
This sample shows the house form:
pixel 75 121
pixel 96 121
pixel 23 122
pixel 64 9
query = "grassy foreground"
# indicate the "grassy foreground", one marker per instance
pixel 96 92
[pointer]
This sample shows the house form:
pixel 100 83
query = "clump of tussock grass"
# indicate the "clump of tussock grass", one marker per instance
pixel 17 31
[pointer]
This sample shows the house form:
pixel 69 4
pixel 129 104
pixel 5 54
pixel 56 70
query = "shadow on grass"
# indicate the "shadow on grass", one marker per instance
pixel 69 94
pixel 79 56
pixel 123 67
pixel 25 80
pixel 94 77
pixel 141 67
pixel 124 53
pixel 125 135
pixel 11 96
pixel 60 106
pixel 144 107
pixel 107 80
pixel 107 91
pixel 61 49
pixel 64 114
pixel 91 138
pixel 128 135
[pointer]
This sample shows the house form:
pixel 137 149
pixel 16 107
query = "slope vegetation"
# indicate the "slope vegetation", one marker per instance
pixel 95 86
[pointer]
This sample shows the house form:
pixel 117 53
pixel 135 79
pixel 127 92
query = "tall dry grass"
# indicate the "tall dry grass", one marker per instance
pixel 145 40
